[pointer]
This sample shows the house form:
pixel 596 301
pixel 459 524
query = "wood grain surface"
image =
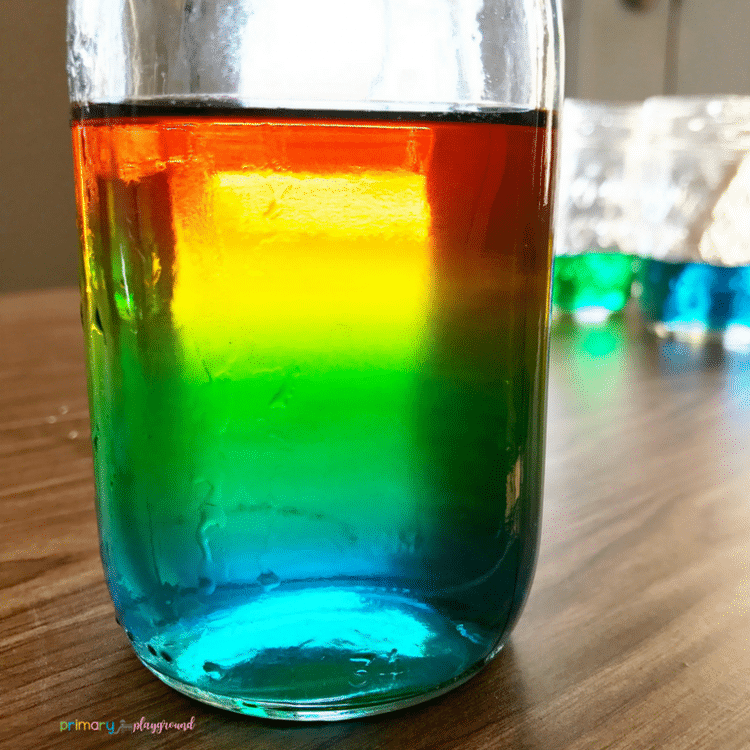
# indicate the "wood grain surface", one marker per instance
pixel 636 635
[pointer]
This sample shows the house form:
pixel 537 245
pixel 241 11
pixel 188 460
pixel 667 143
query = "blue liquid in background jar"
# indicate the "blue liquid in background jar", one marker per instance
pixel 697 299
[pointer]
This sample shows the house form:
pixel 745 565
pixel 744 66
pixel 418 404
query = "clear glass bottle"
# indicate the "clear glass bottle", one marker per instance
pixel 594 242
pixel 690 169
pixel 315 278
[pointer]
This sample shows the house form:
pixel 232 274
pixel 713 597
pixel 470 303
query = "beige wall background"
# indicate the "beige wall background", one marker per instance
pixel 677 46
pixel 38 236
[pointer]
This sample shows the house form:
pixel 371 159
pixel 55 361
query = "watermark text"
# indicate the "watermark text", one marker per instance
pixel 142 725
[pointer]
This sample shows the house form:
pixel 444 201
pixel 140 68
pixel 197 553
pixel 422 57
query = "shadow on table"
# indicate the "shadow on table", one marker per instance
pixel 591 349
pixel 719 370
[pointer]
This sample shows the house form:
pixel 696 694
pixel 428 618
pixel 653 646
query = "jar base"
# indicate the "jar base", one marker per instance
pixel 315 712
pixel 324 654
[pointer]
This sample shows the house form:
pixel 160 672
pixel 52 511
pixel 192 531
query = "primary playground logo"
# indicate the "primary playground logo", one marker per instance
pixel 108 727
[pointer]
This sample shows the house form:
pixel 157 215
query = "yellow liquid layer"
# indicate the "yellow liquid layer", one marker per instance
pixel 303 258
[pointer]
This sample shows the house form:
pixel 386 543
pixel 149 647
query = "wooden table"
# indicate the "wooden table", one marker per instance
pixel 636 635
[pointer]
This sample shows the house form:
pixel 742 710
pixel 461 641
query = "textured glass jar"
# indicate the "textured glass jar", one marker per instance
pixel 690 170
pixel 594 236
pixel 315 277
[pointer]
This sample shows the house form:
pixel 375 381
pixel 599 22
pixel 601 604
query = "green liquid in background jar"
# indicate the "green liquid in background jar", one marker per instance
pixel 592 286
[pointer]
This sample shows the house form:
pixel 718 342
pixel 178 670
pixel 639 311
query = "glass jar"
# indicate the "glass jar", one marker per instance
pixel 315 277
pixel 690 168
pixel 594 242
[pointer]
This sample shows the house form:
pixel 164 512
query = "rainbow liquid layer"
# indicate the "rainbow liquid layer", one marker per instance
pixel 317 353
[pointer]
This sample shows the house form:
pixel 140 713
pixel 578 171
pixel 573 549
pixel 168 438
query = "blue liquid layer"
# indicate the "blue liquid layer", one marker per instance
pixel 695 295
